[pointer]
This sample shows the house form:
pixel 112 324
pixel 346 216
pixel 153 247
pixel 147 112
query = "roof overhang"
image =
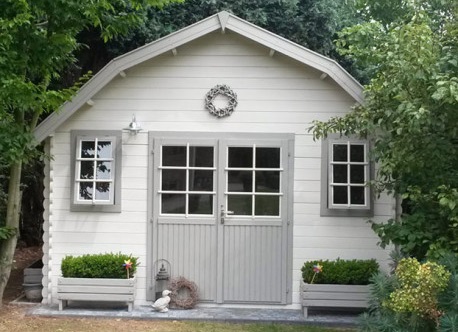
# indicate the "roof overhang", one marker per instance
pixel 221 21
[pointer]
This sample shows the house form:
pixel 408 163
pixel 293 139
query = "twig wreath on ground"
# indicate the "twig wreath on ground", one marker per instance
pixel 184 293
pixel 222 90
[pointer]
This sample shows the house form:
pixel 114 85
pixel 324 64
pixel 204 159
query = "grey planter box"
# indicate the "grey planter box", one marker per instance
pixel 88 289
pixel 334 296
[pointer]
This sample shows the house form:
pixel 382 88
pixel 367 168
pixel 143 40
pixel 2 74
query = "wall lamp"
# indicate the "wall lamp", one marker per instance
pixel 134 128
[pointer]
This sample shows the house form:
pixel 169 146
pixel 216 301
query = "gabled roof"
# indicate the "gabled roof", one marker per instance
pixel 221 21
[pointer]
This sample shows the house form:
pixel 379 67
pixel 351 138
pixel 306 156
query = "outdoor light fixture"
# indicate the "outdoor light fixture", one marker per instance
pixel 133 127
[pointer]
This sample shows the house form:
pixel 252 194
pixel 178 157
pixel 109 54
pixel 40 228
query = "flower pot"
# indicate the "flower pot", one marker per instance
pixel 333 296
pixel 96 289
pixel 32 285
pixel 33 292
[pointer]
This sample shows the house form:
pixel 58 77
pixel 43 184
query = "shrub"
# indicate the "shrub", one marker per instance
pixel 413 299
pixel 340 271
pixel 107 265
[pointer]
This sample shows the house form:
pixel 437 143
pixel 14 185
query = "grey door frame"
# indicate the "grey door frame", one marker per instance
pixel 151 255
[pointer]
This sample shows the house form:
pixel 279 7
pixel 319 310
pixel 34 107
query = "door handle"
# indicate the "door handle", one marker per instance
pixel 224 214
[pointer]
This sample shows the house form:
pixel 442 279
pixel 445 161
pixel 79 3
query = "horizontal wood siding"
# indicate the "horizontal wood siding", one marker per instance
pixel 275 94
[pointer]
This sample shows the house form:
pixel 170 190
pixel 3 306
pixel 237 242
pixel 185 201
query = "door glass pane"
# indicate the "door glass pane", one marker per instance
pixel 268 181
pixel 104 149
pixel 201 156
pixel 267 157
pixel 174 156
pixel 87 149
pixel 357 195
pixel 174 179
pixel 267 205
pixel 240 157
pixel 103 170
pixel 200 180
pixel 239 204
pixel 200 204
pixel 339 173
pixel 339 152
pixel 240 181
pixel 102 191
pixel 85 190
pixel 340 195
pixel 173 203
pixel 357 174
pixel 87 170
pixel 357 153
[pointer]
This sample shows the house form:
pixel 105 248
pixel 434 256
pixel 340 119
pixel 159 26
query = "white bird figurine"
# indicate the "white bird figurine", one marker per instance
pixel 162 304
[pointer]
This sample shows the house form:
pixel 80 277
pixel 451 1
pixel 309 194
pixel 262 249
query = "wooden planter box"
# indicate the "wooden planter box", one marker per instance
pixel 333 296
pixel 87 289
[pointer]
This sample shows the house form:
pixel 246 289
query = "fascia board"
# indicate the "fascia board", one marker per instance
pixel 299 53
pixel 222 20
pixel 123 62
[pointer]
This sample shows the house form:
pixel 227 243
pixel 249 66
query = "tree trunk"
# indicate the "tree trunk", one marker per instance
pixel 12 220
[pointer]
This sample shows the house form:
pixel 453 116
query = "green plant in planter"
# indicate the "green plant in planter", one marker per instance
pixel 340 271
pixel 109 265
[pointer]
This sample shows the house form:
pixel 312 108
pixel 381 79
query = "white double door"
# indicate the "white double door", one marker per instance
pixel 220 214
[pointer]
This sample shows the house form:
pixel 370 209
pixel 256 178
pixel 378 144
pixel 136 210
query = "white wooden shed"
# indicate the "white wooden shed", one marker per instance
pixel 234 203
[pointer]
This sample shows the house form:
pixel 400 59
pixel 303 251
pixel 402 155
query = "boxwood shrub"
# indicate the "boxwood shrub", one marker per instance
pixel 107 265
pixel 341 271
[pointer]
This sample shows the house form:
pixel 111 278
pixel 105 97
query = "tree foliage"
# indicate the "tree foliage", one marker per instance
pixel 311 23
pixel 38 41
pixel 410 114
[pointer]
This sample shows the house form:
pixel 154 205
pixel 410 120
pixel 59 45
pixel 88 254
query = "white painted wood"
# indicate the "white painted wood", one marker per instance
pixel 275 94
pixel 333 296
pixel 87 289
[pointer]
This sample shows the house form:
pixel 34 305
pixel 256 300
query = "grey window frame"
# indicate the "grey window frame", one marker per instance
pixel 328 209
pixel 75 137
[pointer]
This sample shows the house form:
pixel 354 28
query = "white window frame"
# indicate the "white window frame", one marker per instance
pixel 328 207
pixel 113 204
pixel 187 144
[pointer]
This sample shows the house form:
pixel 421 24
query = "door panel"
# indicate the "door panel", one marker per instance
pixel 220 216
pixel 252 264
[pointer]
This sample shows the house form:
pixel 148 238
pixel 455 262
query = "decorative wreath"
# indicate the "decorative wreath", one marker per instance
pixel 225 91
pixel 178 284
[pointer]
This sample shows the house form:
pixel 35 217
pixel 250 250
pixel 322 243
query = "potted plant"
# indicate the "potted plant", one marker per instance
pixel 97 277
pixel 336 284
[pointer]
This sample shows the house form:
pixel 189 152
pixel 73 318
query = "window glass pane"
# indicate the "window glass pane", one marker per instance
pixel 357 195
pixel 241 181
pixel 339 173
pixel 104 149
pixel 240 157
pixel 102 191
pixel 174 156
pixel 267 205
pixel 340 195
pixel 173 179
pixel 173 203
pixel 339 152
pixel 201 156
pixel 357 153
pixel 200 204
pixel 87 149
pixel 267 157
pixel 357 174
pixel 104 170
pixel 268 181
pixel 200 180
pixel 86 170
pixel 85 191
pixel 239 204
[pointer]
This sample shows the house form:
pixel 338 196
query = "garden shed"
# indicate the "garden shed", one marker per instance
pixel 193 150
